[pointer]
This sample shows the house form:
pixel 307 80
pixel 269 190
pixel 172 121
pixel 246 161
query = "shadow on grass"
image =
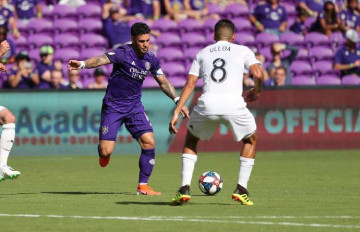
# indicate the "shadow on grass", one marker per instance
pixel 90 193
pixel 164 203
pixel 7 194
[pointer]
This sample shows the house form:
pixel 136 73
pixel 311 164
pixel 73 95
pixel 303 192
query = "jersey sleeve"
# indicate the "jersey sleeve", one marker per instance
pixel 338 58
pixel 250 58
pixel 116 55
pixel 195 67
pixel 155 69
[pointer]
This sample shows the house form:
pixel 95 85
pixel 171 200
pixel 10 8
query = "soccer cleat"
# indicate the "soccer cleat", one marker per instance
pixel 182 196
pixel 7 172
pixel 241 195
pixel 103 161
pixel 144 189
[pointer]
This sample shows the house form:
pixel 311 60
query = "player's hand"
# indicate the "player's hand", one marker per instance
pixel 251 95
pixel 74 65
pixel 4 47
pixel 185 112
pixel 172 125
pixel 3 68
pixel 357 63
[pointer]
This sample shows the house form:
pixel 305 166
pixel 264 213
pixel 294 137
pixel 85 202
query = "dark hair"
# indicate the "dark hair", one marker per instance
pixel 223 23
pixel 281 67
pixel 140 29
pixel 330 16
pixel 301 12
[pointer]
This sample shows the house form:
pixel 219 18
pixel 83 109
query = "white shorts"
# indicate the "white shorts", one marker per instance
pixel 2 107
pixel 203 127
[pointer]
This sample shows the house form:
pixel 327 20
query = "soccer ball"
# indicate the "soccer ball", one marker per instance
pixel 210 183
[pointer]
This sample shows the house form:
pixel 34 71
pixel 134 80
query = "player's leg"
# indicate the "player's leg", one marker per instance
pixel 146 163
pixel 141 129
pixel 244 129
pixel 7 121
pixel 109 126
pixel 199 127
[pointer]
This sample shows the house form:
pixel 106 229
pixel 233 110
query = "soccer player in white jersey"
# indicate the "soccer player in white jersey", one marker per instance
pixel 221 65
pixel 7 121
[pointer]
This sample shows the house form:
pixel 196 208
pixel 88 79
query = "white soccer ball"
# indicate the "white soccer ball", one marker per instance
pixel 210 183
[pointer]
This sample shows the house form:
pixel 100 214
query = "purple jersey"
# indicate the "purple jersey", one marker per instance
pixel 298 27
pixel 314 5
pixel 344 56
pixel 25 81
pixel 117 32
pixel 269 17
pixel 123 93
pixel 25 8
pixel 351 18
pixel 5 15
pixel 197 4
pixel 41 68
pixel 144 7
pixel 177 5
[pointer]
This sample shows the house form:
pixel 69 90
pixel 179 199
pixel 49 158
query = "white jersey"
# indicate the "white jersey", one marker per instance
pixel 222 65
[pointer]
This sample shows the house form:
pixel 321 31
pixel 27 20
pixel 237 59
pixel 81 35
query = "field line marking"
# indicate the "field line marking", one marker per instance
pixel 184 219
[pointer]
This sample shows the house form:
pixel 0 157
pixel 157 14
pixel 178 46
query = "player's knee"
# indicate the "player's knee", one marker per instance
pixel 148 144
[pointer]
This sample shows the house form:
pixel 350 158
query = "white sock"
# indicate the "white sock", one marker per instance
pixel 188 165
pixel 246 166
pixel 6 142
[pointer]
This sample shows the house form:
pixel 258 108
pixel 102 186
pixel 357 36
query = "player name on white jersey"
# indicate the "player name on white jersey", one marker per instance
pixel 220 48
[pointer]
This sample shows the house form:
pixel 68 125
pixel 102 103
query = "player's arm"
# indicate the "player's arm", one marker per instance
pixel 258 75
pixel 184 97
pixel 92 62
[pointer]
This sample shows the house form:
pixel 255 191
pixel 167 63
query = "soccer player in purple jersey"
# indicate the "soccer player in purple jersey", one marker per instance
pixel 122 101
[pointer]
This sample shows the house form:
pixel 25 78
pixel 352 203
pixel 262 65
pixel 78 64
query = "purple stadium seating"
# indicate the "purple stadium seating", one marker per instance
pixel 66 41
pixel 323 67
pixel 93 40
pixel 246 39
pixel 34 54
pixel 22 27
pixel 302 81
pixel 300 67
pixel 64 11
pixel 266 51
pixel 87 53
pixel 292 38
pixel 209 25
pixel 236 10
pixel 177 82
pixel 209 38
pixel 21 43
pixel 66 54
pixel 337 39
pixel 242 24
pixel 321 53
pixel 266 39
pixel 328 80
pixel 65 26
pixel 168 39
pixel 165 25
pixel 314 39
pixel 303 55
pixel 90 25
pixel 170 54
pixel 87 74
pixel 89 11
pixel 290 8
pixel 150 82
pixel 351 80
pixel 192 39
pixel 190 25
pixel 46 12
pixel 172 69
pixel 36 26
pixel 36 41
pixel 215 9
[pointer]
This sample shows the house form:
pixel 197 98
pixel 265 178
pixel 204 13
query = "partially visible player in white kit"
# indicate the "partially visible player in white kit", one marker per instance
pixel 221 65
pixel 7 122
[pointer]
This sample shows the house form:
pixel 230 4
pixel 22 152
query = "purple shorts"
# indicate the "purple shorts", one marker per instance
pixel 136 123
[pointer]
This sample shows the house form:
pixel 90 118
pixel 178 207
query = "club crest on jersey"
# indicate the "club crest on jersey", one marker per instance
pixel 147 65
pixel 104 130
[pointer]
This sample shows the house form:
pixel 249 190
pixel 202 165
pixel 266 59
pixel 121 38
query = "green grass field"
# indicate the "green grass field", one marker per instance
pixel 292 191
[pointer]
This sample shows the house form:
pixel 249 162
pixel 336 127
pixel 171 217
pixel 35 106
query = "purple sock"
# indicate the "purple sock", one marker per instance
pixel 146 164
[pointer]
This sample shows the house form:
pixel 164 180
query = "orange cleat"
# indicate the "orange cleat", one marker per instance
pixel 103 161
pixel 146 190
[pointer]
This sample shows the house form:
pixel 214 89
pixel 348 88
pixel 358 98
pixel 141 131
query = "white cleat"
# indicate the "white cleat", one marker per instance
pixel 8 173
